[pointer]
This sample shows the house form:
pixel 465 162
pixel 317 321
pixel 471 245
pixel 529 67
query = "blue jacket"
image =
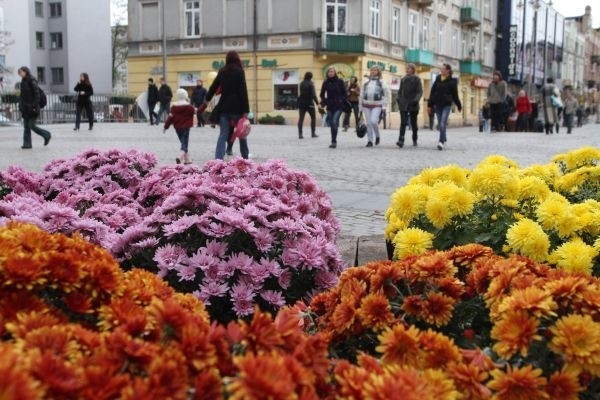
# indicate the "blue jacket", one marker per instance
pixel 333 94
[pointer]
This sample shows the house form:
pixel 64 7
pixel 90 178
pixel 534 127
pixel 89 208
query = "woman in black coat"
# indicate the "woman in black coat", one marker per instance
pixel 233 103
pixel 333 95
pixel 84 93
pixel 29 104
pixel 444 92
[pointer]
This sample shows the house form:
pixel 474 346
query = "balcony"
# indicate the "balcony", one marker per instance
pixel 345 44
pixel 420 3
pixel 418 56
pixel 470 16
pixel 470 67
pixel 596 59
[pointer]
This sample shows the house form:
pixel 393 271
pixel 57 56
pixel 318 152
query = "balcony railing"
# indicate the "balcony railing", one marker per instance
pixel 470 67
pixel 596 59
pixel 421 3
pixel 418 56
pixel 345 43
pixel 470 16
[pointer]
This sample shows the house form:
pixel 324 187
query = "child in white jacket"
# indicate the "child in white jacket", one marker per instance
pixel 373 99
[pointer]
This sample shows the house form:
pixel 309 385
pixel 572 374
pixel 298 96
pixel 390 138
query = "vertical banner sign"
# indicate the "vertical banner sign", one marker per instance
pixel 512 51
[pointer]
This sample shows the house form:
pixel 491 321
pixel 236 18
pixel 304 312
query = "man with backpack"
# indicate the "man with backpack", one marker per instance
pixel 31 101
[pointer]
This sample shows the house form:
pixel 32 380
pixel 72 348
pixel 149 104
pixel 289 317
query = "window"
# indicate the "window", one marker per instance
pixel 39 9
pixel 375 18
pixel 41 74
pixel 55 10
pixel 413 40
pixel 150 21
pixel 285 89
pixel 464 51
pixel 487 9
pixel 56 40
pixel 39 40
pixel 473 47
pixel 336 16
pixel 455 42
pixel 192 18
pixel 396 25
pixel 58 76
pixel 425 33
pixel 440 40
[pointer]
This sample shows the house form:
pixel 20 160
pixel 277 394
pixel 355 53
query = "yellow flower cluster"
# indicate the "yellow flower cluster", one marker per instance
pixel 550 213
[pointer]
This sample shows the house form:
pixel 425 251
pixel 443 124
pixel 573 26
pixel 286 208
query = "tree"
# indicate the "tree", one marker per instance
pixel 118 39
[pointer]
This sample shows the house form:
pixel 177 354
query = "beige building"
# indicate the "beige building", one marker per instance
pixel 279 40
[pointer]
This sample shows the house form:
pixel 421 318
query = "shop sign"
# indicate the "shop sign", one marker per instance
pixel 480 83
pixel 395 83
pixel 268 63
pixel 285 77
pixel 344 71
pixel 384 66
pixel 218 64
pixel 512 51
pixel 188 78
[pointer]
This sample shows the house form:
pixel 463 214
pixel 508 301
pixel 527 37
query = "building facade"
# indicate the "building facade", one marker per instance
pixel 58 40
pixel 280 40
pixel 573 66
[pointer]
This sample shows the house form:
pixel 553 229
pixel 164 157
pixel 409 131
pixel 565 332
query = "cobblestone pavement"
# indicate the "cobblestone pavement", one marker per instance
pixel 359 180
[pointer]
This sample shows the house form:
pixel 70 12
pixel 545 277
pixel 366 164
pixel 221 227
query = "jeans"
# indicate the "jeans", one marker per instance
pixel 184 137
pixel 333 118
pixel 29 125
pixel 225 125
pixel 372 119
pixel 442 116
pixel 569 121
pixel 163 112
pixel 89 112
pixel 346 122
pixel 313 119
pixel 153 116
pixel 487 128
pixel 404 120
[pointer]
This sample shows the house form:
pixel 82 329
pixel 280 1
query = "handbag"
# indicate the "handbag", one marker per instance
pixel 556 101
pixel 361 129
pixel 346 106
pixel 215 115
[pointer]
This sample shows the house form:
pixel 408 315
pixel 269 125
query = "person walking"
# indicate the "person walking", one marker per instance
pixel 524 110
pixel 165 94
pixel 496 96
pixel 152 99
pixel 198 96
pixel 306 104
pixel 409 95
pixel 551 101
pixel 333 94
pixel 570 108
pixel 29 105
pixel 181 117
pixel 233 103
pixel 373 99
pixel 84 92
pixel 444 92
pixel 354 99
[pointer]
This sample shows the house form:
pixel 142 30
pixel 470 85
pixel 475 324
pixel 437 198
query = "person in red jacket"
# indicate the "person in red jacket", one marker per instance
pixel 182 118
pixel 524 111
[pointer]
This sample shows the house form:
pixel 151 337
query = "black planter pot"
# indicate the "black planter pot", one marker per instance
pixel 389 246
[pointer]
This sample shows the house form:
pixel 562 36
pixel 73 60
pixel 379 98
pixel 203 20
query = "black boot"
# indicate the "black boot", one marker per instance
pixel 400 142
pixel 300 135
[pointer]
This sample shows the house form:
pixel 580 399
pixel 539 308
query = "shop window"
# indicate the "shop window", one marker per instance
pixel 285 89
pixel 336 16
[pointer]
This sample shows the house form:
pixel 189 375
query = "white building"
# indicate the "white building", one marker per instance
pixel 58 40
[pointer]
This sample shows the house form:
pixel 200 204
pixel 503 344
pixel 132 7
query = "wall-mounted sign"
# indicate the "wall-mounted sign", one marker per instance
pixel 285 77
pixel 344 71
pixel 512 51
pixel 268 63
pixel 480 83
pixel 218 64
pixel 188 78
pixel 395 83
pixel 384 66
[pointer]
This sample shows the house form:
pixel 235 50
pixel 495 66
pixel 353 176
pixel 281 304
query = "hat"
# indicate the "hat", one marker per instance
pixel 181 95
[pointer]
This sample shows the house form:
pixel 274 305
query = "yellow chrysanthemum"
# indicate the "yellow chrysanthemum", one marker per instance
pixel 409 201
pixel 574 256
pixel 526 237
pixel 462 202
pixel 394 225
pixel 431 176
pixel 499 160
pixel 547 173
pixel 533 187
pixel 412 241
pixel 577 158
pixel 494 180
pixel 577 338
pixel 556 213
pixel 438 212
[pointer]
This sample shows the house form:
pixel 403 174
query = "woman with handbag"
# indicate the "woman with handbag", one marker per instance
pixel 373 99
pixel 233 103
pixel 334 96
pixel 551 102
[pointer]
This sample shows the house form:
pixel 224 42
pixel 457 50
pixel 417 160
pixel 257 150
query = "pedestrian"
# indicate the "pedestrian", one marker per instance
pixel 444 92
pixel 431 116
pixel 484 119
pixel 354 99
pixel 524 110
pixel 84 91
pixel 333 94
pixel 579 114
pixel 409 95
pixel 570 108
pixel 233 103
pixel 551 102
pixel 152 100
pixel 29 105
pixel 306 104
pixel 181 117
pixel 165 94
pixel 373 98
pixel 496 97
pixel 198 96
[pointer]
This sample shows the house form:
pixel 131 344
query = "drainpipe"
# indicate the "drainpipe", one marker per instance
pixel 164 40
pixel 255 56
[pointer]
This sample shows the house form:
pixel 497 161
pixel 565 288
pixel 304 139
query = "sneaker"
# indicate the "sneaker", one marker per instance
pixel 400 143
pixel 369 144
pixel 376 141
pixel 440 146
pixel 47 140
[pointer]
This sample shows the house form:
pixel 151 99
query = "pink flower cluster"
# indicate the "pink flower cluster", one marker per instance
pixel 236 234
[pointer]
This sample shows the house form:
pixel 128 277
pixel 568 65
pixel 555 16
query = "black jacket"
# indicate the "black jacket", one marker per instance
pixel 444 93
pixel 234 92
pixel 83 99
pixel 336 93
pixel 308 94
pixel 198 95
pixel 410 93
pixel 152 94
pixel 29 101
pixel 165 94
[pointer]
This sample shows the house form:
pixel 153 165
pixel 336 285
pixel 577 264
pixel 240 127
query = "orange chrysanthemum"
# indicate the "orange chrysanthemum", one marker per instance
pixel 518 384
pixel 262 377
pixel 467 255
pixel 397 383
pixel 470 380
pixel 437 350
pixel 563 386
pixel 412 305
pixel 433 266
pixel 15 381
pixel 208 386
pixel 437 309
pixel 577 337
pixel 399 345
pixel 375 311
pixel 514 333
pixel 534 300
pixel 343 316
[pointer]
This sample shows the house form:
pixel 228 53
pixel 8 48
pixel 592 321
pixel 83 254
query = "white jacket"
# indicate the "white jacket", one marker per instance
pixel 374 94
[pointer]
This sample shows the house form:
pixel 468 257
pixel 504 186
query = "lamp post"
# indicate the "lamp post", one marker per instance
pixel 164 40
pixel 536 6
pixel 523 5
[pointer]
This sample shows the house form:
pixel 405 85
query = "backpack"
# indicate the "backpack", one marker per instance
pixel 43 98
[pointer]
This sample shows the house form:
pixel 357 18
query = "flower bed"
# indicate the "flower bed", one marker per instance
pixel 235 234
pixel 550 213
